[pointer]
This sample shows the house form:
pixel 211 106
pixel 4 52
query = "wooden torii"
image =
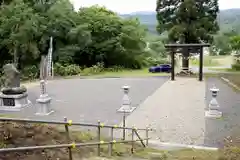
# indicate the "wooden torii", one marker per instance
pixel 196 47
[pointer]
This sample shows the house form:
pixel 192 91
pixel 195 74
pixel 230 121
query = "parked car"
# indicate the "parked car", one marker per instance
pixel 161 68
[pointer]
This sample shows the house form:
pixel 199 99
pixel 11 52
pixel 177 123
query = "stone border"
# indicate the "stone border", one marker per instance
pixel 230 83
pixel 175 146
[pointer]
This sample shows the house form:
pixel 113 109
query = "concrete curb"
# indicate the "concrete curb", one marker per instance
pixel 230 83
pixel 174 146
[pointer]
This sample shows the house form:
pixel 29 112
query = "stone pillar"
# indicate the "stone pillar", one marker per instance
pixel 213 107
pixel 126 102
pixel 44 101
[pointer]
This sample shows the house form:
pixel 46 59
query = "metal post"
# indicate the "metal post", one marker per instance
pixel 124 125
pixel 173 65
pixel 110 147
pixel 99 139
pixel 68 138
pixel 201 64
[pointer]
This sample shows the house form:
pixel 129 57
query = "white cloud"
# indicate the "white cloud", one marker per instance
pixel 127 6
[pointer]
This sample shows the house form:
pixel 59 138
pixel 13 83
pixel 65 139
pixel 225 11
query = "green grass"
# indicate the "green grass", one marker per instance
pixel 224 70
pixel 131 73
pixel 183 154
pixel 122 74
pixel 207 62
pixel 213 61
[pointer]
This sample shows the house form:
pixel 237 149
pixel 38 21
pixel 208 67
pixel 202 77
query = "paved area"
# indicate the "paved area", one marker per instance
pixel 176 111
pixel 216 130
pixel 90 100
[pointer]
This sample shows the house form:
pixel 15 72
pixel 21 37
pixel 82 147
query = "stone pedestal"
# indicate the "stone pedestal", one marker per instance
pixel 44 105
pixel 14 102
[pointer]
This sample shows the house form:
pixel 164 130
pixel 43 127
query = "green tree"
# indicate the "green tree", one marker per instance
pixel 188 21
pixel 18 27
pixel 235 44
pixel 221 43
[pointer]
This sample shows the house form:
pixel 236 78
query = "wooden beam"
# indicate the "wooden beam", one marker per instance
pixel 176 45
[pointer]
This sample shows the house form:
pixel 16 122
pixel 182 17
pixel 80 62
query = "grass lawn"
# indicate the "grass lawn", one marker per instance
pixel 129 73
pixel 213 61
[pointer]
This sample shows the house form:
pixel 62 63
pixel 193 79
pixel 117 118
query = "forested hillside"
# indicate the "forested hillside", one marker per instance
pixel 228 19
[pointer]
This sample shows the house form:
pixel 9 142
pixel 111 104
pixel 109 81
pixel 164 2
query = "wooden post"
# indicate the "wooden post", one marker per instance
pixel 146 136
pixel 201 64
pixel 68 138
pixel 99 139
pixel 124 125
pixel 110 147
pixel 132 140
pixel 172 64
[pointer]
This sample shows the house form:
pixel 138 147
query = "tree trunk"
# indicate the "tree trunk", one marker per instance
pixel 185 60
pixel 15 57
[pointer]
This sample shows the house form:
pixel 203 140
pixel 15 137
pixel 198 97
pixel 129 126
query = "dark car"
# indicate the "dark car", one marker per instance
pixel 161 68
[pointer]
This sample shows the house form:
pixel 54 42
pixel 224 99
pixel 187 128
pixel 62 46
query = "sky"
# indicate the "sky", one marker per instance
pixel 128 6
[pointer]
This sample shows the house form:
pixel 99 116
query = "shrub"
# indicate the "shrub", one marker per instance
pixel 156 61
pixel 30 72
pixel 1 80
pixel 236 66
pixel 115 69
pixel 66 70
pixel 230 153
pixel 95 69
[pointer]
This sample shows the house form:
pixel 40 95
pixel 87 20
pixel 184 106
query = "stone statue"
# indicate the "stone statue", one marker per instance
pixel 12 81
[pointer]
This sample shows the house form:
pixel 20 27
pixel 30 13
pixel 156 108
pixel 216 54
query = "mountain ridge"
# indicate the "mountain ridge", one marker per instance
pixel 228 19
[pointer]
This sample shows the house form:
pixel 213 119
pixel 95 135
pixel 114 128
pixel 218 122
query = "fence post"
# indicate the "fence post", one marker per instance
pixel 110 147
pixel 99 139
pixel 147 136
pixel 132 140
pixel 68 138
pixel 124 125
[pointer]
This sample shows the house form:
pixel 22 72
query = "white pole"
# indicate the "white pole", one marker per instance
pixel 50 57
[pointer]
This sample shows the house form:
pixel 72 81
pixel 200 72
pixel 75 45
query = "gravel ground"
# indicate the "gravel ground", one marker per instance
pixel 90 100
pixel 229 100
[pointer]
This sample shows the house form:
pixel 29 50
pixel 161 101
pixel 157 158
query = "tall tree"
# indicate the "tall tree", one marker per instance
pixel 188 21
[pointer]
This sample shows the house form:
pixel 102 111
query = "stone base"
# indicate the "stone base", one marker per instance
pixel 213 114
pixel 14 102
pixel 44 106
pixel 122 110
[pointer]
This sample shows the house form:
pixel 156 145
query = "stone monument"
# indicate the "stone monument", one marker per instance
pixel 44 101
pixel 126 107
pixel 13 97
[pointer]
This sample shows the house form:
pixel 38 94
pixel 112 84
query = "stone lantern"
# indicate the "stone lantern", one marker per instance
pixel 213 107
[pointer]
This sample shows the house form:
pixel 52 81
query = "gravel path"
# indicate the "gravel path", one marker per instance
pixel 176 111
pixel 181 120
